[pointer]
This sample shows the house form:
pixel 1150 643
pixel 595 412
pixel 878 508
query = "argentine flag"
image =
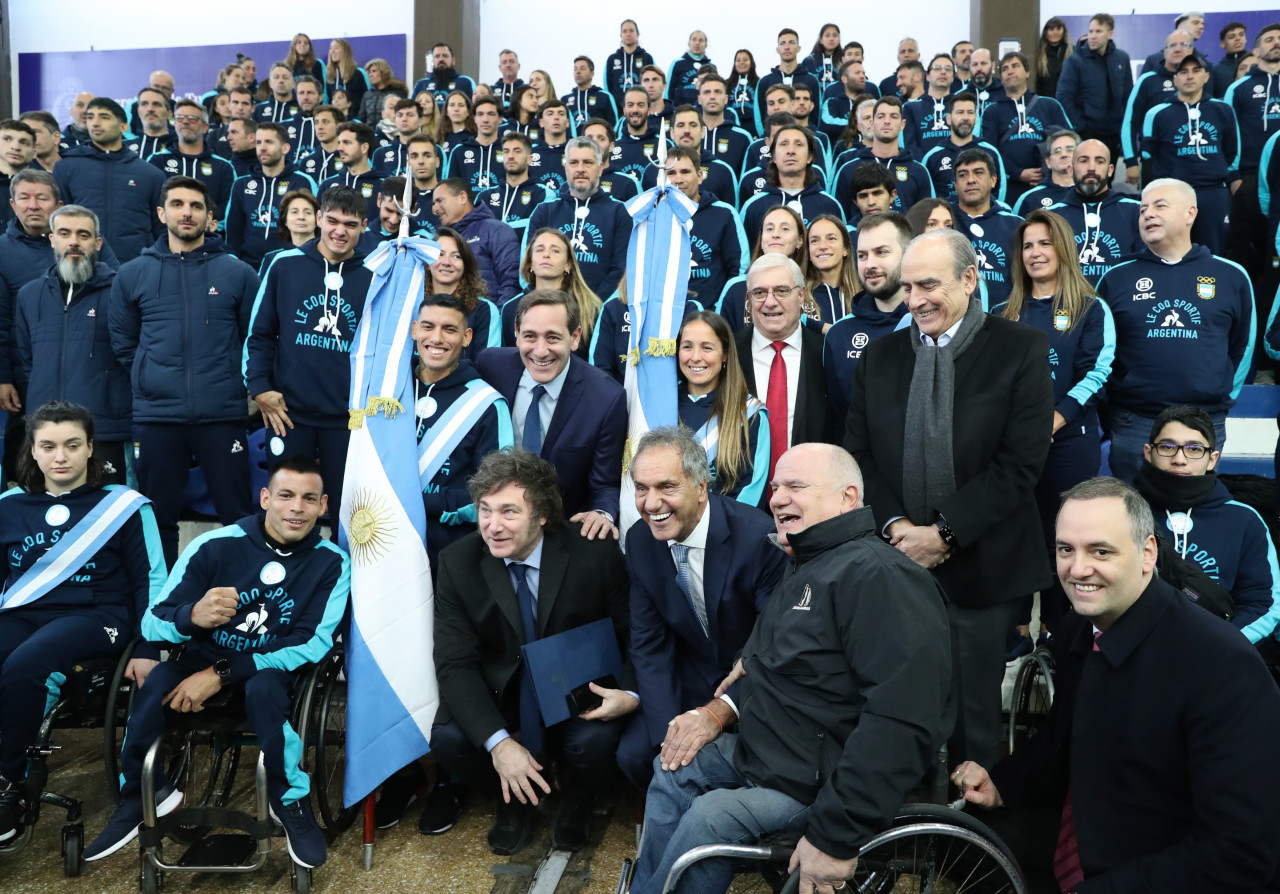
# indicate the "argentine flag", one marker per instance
pixel 658 265
pixel 391 682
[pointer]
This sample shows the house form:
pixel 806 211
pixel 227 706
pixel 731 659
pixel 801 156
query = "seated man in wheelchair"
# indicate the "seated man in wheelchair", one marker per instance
pixel 247 605
pixel 83 560
pixel 843 707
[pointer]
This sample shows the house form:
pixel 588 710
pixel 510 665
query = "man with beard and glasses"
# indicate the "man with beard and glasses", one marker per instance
pixel 875 311
pixel 962 117
pixel 1105 222
pixel 443 78
pixel 191 156
pixel 60 330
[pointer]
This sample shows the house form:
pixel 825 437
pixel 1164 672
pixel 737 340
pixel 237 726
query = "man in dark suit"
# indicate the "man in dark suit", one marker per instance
pixel 775 350
pixel 701 570
pixel 522 577
pixel 1156 770
pixel 562 408
pixel 950 421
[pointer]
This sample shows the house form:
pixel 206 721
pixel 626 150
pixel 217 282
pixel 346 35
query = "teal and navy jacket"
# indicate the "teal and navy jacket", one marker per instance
pixel 293 597
pixel 1197 143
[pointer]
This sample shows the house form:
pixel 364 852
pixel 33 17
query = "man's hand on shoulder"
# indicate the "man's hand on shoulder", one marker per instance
pixel 518 771
pixel 820 873
pixel 215 608
pixel 595 525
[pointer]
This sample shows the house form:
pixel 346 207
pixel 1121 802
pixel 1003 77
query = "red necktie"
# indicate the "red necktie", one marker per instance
pixel 776 403
pixel 1066 856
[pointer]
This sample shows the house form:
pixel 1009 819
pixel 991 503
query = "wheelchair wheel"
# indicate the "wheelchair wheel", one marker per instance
pixel 151 879
pixel 119 698
pixel 1032 697
pixel 72 848
pixel 300 879
pixel 936 849
pixel 331 753
pixel 204 769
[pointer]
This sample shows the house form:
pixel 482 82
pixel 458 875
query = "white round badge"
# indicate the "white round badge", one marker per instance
pixel 333 280
pixel 272 573
pixel 977 230
pixel 1092 220
pixel 581 213
pixel 426 407
pixel 1180 523
pixel 57 515
pixel 277 446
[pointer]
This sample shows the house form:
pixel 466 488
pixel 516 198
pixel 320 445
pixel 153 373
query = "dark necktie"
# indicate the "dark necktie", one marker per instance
pixel 530 718
pixel 531 437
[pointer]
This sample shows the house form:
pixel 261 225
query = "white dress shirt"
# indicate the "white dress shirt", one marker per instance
pixel 546 406
pixel 943 340
pixel 762 355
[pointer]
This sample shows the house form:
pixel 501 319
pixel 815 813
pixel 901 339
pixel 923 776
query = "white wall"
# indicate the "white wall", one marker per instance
pixel 547 35
pixel 42 26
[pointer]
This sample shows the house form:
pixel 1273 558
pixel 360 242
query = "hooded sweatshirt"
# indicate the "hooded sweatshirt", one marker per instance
pixel 910 178
pixel 214 171
pixel 845 341
pixel 622 71
pixel 1106 231
pixel 300 332
pixel 599 238
pixel 1255 99
pixel 1227 539
pixel 1184 332
pixel 253 214
pixel 812 201
pixel 1197 143
pixel 497 250
pixel 992 236
pixel 1018 127
pixel 122 189
pixel 292 599
pixel 682 87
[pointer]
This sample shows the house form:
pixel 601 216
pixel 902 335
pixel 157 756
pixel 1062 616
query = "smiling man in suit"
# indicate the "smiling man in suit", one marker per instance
pixel 950 420
pixel 563 409
pixel 701 569
pixel 782 360
pixel 520 578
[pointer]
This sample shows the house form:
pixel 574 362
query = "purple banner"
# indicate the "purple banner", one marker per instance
pixel 51 81
pixel 1142 35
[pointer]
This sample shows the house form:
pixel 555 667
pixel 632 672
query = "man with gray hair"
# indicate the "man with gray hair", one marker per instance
pixel 782 360
pixel 494 244
pixel 1145 679
pixel 843 699
pixel 700 572
pixel 597 225
pixel 950 421
pixel 192 156
pixel 60 332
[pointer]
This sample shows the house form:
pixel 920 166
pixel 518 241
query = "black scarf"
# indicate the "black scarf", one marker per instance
pixel 1173 493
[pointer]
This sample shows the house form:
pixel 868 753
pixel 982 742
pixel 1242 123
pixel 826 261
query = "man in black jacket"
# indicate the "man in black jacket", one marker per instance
pixel 1156 769
pixel 843 704
pixel 950 420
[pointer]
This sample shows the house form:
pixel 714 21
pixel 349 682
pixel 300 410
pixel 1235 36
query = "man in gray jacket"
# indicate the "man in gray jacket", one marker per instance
pixel 844 703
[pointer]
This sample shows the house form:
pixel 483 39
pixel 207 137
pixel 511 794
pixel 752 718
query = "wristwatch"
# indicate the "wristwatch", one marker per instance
pixel 944 531
pixel 222 667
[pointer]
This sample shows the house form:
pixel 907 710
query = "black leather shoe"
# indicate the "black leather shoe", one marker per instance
pixel 572 828
pixel 512 828
pixel 398 793
pixel 443 807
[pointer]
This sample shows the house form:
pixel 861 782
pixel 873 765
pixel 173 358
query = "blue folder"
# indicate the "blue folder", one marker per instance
pixel 561 663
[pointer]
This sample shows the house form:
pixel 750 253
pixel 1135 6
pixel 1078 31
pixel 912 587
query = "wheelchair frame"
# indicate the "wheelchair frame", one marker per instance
pixel 1026 708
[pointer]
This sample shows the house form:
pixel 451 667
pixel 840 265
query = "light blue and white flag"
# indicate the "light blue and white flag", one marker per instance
pixel 391 682
pixel 658 265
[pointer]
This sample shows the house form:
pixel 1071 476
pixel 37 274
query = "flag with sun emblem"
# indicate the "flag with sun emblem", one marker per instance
pixel 391 681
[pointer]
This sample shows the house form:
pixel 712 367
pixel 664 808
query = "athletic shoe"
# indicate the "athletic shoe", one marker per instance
pixel 124 824
pixel 1021 646
pixel 306 842
pixel 13 809
pixel 444 806
pixel 398 793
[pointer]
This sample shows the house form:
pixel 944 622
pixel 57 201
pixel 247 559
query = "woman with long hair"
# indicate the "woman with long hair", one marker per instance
pixel 1055 47
pixel 1050 293
pixel 524 112
pixel 457 124
pixel 342 73
pixel 823 61
pixel 230 77
pixel 549 263
pixel 75 587
pixel 741 84
pixel 219 109
pixel 540 81
pixel 380 76
pixel 833 269
pixel 457 272
pixel 302 58
pixel 930 214
pixel 781 232
pixel 299 224
pixel 728 422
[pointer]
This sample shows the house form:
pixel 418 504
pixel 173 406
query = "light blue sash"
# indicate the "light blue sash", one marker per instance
pixel 75 547
pixel 439 441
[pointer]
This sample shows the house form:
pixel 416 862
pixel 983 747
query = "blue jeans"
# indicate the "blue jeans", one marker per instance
pixel 1130 432
pixel 707 802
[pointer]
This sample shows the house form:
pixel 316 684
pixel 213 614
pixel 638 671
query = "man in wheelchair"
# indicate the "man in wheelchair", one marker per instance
pixel 246 605
pixel 843 707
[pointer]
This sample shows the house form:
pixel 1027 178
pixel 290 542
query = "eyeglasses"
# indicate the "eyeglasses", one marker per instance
pixel 1062 150
pixel 1190 451
pixel 947 68
pixel 188 118
pixel 782 293
pixel 1184 45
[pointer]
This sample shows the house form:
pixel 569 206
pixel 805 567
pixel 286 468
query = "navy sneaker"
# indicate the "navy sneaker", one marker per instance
pixel 306 842
pixel 398 794
pixel 1021 646
pixel 13 809
pixel 124 824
